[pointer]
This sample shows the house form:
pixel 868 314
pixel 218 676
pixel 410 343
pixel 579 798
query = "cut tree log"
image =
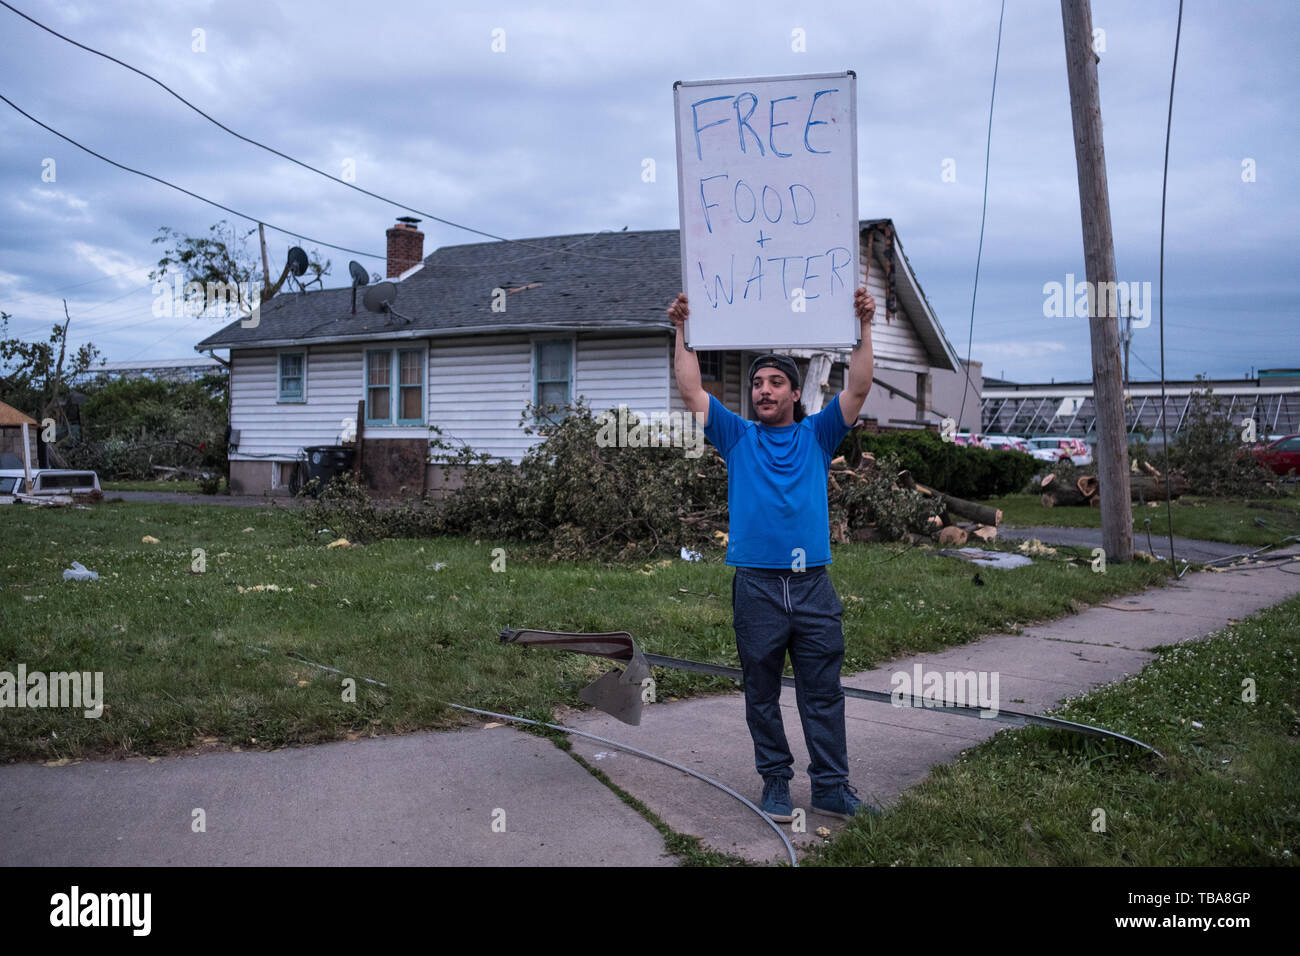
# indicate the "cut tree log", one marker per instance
pixel 952 537
pixel 1146 488
pixel 966 509
pixel 1087 485
pixel 1149 469
pixel 1061 494
pixel 985 533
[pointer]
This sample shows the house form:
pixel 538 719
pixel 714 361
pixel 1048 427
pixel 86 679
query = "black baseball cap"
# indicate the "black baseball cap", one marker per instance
pixel 782 363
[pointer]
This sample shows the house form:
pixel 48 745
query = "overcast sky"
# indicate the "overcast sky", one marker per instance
pixel 548 137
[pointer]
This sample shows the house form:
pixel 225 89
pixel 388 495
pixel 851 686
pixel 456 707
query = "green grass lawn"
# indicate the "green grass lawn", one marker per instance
pixel 189 487
pixel 177 647
pixel 1205 519
pixel 1228 793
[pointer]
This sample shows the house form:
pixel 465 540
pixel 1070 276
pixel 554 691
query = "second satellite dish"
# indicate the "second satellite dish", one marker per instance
pixel 380 298
pixel 359 274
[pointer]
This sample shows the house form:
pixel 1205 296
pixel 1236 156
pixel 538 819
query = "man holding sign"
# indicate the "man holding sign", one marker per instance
pixel 779 543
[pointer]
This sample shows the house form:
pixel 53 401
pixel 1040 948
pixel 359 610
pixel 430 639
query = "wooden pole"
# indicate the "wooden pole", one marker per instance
pixel 266 268
pixel 1099 260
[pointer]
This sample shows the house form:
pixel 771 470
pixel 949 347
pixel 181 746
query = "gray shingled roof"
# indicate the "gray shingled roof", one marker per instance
pixel 610 280
pixel 605 281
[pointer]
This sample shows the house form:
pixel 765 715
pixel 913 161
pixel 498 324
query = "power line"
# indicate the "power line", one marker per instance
pixel 988 147
pixel 170 185
pixel 308 166
pixel 1164 187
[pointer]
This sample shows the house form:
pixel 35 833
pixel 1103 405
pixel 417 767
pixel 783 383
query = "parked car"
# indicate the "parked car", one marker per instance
pixel 970 440
pixel 1006 443
pixel 49 481
pixel 1060 448
pixel 1281 456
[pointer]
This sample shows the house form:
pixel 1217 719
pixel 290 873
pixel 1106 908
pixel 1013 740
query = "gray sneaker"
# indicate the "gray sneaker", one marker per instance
pixel 841 801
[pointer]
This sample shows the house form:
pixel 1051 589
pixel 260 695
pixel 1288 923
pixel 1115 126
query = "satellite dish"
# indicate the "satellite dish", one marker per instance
pixel 297 261
pixel 379 298
pixel 359 274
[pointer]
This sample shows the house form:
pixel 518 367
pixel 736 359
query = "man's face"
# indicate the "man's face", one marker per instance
pixel 772 397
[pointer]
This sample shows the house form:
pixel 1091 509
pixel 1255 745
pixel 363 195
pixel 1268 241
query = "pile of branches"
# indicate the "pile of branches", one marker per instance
pixel 878 501
pixel 577 496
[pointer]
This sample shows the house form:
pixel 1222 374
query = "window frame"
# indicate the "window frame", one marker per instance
pixel 537 344
pixel 280 398
pixel 394 386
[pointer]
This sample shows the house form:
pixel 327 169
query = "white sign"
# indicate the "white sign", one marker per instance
pixel 768 191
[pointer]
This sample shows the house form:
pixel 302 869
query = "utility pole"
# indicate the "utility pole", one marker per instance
pixel 1099 261
pixel 266 269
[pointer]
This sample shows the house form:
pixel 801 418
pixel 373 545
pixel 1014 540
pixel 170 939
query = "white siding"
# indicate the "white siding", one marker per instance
pixel 478 388
pixel 269 428
pixel 623 371
pixel 480 385
pixel 895 343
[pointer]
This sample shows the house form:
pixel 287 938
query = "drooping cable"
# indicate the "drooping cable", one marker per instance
pixel 182 189
pixel 1164 186
pixel 298 162
pixel 988 146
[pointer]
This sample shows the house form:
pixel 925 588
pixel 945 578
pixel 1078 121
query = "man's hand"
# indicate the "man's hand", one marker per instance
pixel 864 306
pixel 862 360
pixel 685 365
pixel 680 311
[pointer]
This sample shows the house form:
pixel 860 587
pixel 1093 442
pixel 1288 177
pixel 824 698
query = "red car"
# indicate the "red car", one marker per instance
pixel 1281 456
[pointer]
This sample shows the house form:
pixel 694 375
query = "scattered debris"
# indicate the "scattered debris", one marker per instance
pixel 689 555
pixel 989 559
pixel 78 572
pixel 149 539
pixel 1035 548
pixel 261 587
pixel 340 543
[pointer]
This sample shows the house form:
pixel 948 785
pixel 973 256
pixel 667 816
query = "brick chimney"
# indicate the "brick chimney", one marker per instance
pixel 405 246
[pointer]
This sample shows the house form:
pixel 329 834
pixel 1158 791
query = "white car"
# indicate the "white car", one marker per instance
pixel 1006 443
pixel 49 481
pixel 1060 448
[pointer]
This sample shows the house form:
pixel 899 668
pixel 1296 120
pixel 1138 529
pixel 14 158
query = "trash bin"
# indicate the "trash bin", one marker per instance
pixel 326 462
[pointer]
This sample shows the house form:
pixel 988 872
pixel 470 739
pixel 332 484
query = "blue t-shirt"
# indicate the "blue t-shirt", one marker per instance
pixel 776 485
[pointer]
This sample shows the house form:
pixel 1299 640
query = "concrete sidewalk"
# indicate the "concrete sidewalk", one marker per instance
pixel 892 749
pixel 433 798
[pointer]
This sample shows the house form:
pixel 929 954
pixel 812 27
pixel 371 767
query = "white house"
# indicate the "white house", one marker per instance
pixel 575 316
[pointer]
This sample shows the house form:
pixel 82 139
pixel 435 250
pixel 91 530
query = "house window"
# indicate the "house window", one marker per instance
pixel 395 386
pixel 710 366
pixel 410 386
pixel 379 387
pixel 293 377
pixel 553 374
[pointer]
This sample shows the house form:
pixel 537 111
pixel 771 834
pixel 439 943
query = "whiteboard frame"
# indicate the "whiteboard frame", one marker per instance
pixel 853 161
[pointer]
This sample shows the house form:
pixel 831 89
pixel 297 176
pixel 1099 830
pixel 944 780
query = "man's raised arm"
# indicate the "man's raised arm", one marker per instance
pixel 862 364
pixel 685 364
